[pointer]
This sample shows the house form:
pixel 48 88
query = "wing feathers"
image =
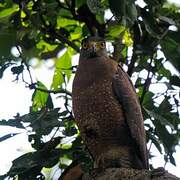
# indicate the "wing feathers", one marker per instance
pixel 125 92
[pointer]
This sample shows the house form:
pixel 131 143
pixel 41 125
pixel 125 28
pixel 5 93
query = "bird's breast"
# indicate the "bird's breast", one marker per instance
pixel 99 115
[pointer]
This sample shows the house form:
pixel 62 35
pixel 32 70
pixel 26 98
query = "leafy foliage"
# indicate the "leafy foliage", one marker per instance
pixel 42 29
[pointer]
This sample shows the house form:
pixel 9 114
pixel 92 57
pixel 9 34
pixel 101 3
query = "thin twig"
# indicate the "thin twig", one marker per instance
pixel 136 40
pixel 67 41
pixel 132 63
pixel 25 63
pixel 55 133
pixel 147 83
pixel 149 148
pixel 63 91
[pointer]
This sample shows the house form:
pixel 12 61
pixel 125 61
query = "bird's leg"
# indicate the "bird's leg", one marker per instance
pixel 114 157
pixel 99 162
pixel 98 166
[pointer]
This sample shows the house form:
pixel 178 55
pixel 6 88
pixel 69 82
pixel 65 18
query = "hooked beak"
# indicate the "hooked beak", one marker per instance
pixel 94 47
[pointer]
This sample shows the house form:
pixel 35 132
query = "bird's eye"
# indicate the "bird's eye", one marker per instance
pixel 84 46
pixel 102 44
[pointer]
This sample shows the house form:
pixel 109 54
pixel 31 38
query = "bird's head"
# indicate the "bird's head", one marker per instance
pixel 93 47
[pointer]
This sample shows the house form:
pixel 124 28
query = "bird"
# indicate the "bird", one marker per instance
pixel 107 110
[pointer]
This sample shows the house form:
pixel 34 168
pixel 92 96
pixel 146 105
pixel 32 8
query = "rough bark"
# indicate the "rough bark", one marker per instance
pixel 128 174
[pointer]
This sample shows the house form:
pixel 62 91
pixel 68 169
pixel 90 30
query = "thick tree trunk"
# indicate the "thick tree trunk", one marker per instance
pixel 128 174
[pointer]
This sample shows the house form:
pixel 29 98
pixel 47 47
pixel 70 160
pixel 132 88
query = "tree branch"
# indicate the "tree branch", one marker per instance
pixel 132 63
pixel 67 41
pixel 61 91
pixel 137 32
pixel 147 82
pixel 124 174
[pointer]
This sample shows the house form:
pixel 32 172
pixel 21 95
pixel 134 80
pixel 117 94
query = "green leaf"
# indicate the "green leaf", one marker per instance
pixel 124 10
pixel 23 163
pixel 36 141
pixel 118 7
pixel 164 72
pixel 161 119
pixel 3 177
pixel 164 107
pixel 8 11
pixel 63 22
pixel 127 38
pixel 7 41
pixel 79 3
pixel 45 47
pixel 175 80
pixel 115 30
pixel 58 80
pixel 49 103
pixel 172 160
pixel 131 12
pixel 76 34
pixel 39 98
pixel 33 160
pixel 51 158
pixel 150 24
pixel 173 119
pixel 168 140
pixel 70 128
pixel 148 100
pixel 171 49
pixel 12 122
pixel 62 67
pixel 155 141
pixel 154 3
pixel 95 6
pixel 43 121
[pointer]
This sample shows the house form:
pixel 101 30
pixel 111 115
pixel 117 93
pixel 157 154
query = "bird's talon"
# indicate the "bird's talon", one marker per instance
pixel 95 171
